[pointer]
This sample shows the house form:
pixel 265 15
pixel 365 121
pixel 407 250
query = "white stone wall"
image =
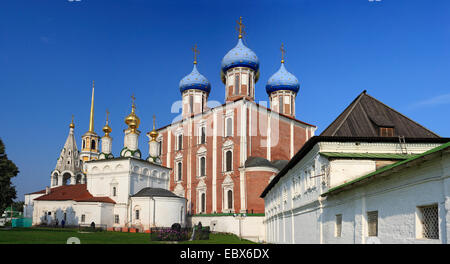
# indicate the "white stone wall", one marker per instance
pixel 28 206
pixel 396 199
pixel 158 211
pixel 129 176
pixel 250 227
pixel 295 212
pixel 99 213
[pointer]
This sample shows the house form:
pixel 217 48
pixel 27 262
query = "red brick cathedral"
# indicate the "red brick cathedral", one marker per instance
pixel 222 158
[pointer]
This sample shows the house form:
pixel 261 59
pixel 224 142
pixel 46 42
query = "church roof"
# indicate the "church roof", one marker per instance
pixel 257 162
pixel 155 192
pixel 240 56
pixel 282 80
pixel 253 161
pixel 76 192
pixel 195 80
pixel 365 115
pixel 69 156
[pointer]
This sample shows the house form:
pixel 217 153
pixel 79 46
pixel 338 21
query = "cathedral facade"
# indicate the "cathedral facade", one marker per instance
pixel 223 157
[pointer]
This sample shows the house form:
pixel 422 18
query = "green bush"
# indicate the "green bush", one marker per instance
pixel 202 234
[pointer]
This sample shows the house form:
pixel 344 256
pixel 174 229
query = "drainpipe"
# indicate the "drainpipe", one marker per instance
pixel 154 210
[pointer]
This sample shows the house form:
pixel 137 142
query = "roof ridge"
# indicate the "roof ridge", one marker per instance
pixel 402 115
pixel 354 103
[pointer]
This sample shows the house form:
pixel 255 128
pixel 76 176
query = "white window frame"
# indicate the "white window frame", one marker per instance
pixel 177 141
pixel 178 179
pixel 199 137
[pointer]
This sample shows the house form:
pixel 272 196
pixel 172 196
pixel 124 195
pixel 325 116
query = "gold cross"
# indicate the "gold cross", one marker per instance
pixel 132 100
pixel 241 27
pixel 283 51
pixel 107 114
pixel 196 52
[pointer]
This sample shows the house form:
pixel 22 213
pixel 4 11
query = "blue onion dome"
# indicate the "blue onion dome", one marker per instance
pixel 282 80
pixel 240 56
pixel 195 80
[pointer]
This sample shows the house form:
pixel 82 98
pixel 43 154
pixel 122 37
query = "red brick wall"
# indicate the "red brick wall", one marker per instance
pixel 257 146
pixel 256 183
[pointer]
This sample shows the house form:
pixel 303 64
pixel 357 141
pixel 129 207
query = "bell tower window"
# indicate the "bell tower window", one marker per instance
pixel 93 144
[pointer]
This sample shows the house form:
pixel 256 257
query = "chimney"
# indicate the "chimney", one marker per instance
pixel 47 190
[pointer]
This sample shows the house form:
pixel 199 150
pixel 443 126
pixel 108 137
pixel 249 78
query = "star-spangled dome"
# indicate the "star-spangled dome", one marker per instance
pixel 195 80
pixel 282 80
pixel 240 56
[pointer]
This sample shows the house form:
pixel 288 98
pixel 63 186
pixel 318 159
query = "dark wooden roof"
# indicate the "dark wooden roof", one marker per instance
pixel 155 192
pixel 365 115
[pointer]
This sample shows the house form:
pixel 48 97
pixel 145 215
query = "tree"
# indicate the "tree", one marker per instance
pixel 8 170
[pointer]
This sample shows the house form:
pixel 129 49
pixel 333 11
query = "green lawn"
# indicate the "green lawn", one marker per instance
pixel 60 236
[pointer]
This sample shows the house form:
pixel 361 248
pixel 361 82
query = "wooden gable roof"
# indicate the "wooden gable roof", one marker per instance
pixel 366 115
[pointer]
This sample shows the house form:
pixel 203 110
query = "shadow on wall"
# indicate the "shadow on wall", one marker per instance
pixel 51 218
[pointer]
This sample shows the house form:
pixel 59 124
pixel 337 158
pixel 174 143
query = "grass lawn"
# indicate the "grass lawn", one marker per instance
pixel 60 236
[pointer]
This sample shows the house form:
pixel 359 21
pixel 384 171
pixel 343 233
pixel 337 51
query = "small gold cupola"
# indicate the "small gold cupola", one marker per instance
pixel 153 134
pixel 107 129
pixel 72 125
pixel 132 120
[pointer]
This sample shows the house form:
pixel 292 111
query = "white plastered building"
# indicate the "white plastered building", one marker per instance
pixel 112 192
pixel 350 185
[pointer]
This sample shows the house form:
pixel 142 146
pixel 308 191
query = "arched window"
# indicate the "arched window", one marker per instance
pixel 230 199
pixel 55 179
pixel 179 170
pixel 137 214
pixel 228 160
pixel 203 135
pixel 93 144
pixel 84 143
pixel 202 166
pixel 180 142
pixel 229 127
pixel 203 203
pixel 66 179
pixel 236 84
pixel 114 191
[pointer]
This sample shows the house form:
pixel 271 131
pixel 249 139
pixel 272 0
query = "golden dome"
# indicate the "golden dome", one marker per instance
pixel 132 120
pixel 72 125
pixel 153 134
pixel 107 129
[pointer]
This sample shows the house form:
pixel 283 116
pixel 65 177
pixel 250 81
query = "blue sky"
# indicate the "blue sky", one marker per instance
pixel 50 51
